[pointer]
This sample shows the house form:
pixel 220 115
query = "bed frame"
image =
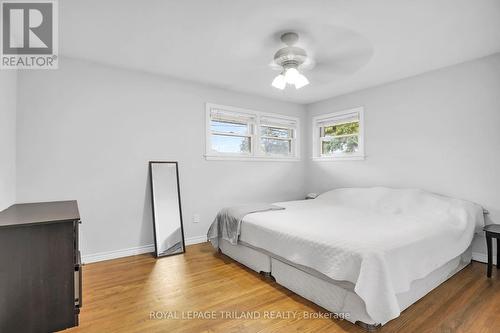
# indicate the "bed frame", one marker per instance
pixel 334 296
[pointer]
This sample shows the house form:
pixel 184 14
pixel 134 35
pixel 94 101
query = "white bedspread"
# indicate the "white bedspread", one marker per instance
pixel 380 239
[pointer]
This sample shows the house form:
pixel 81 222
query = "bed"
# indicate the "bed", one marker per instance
pixel 368 253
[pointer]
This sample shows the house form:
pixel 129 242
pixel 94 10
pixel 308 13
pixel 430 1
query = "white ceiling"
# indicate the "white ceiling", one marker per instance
pixel 229 43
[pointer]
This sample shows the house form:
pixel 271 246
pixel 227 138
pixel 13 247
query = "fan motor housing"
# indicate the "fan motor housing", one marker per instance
pixel 290 56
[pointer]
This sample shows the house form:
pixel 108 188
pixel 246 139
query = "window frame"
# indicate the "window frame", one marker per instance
pixel 317 140
pixel 249 135
pixel 256 153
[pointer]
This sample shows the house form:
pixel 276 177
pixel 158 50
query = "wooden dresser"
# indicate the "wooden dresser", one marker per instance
pixel 40 267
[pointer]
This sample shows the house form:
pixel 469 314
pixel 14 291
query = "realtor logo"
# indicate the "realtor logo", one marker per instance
pixel 29 34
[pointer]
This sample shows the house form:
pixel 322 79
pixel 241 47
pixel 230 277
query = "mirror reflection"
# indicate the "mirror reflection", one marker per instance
pixel 167 218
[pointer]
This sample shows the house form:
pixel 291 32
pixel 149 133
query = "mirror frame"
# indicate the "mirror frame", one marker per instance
pixel 153 206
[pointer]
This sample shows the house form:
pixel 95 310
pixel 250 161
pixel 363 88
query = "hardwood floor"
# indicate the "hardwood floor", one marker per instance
pixel 121 295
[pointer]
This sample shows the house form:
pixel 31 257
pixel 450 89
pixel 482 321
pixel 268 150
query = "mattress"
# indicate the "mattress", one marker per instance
pixel 335 296
pixel 378 240
pixel 252 258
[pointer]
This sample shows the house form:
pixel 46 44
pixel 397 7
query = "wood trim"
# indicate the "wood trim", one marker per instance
pixel 482 257
pixel 132 251
pixel 196 240
pixel 114 254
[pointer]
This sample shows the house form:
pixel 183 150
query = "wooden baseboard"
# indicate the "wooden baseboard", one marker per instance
pixel 196 240
pixel 115 254
pixel 482 257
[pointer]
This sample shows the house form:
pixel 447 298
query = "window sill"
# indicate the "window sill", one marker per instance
pixel 339 158
pixel 251 158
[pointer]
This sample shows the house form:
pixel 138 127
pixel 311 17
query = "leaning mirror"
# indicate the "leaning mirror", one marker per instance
pixel 166 203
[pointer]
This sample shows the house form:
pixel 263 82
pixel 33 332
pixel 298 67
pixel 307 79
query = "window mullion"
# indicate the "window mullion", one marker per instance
pixel 331 137
pixel 275 138
pixel 255 145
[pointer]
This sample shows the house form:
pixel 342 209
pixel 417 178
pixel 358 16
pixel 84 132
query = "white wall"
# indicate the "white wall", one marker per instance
pixel 87 132
pixel 439 131
pixel 8 84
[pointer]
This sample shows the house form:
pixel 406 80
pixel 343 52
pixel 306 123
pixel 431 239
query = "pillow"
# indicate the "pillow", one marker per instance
pixel 413 202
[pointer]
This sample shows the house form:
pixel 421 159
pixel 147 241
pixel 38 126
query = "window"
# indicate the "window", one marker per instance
pixel 234 133
pixel 231 133
pixel 277 136
pixel 339 135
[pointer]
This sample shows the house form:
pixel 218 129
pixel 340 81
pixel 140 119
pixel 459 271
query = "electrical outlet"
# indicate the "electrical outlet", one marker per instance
pixel 196 218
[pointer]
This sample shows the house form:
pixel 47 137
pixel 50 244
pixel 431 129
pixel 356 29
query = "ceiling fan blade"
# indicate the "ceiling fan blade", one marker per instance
pixel 345 64
pixel 337 50
pixel 332 51
pixel 274 66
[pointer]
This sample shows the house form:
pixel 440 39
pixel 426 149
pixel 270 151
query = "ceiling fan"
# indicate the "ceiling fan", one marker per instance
pixel 289 59
pixel 332 52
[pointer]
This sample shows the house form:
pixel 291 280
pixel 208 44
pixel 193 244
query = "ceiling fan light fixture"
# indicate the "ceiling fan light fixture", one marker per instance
pixel 291 75
pixel 290 58
pixel 301 81
pixel 279 82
